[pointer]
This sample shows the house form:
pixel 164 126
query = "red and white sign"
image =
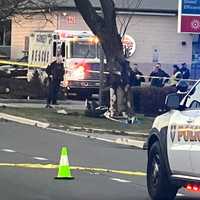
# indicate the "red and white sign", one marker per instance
pixel 129 45
pixel 189 16
pixel 190 24
pixel 71 19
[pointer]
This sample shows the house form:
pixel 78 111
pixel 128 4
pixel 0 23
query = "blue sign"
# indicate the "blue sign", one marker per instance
pixel 191 7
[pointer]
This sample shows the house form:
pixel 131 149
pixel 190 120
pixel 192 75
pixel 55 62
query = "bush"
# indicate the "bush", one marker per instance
pixel 36 89
pixel 146 100
pixel 21 89
pixel 149 100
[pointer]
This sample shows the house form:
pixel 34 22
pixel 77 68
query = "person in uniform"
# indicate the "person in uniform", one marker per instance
pixel 55 72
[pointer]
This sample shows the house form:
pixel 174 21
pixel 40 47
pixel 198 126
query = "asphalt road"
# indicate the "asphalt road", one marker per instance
pixel 28 145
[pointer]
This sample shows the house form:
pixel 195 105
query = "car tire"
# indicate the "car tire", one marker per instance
pixel 158 184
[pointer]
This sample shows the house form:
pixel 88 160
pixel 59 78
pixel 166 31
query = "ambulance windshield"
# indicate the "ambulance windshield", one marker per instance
pixel 83 49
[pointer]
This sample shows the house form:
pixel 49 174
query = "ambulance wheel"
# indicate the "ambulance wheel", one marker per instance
pixel 158 184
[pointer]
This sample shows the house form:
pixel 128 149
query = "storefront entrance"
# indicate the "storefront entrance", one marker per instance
pixel 195 69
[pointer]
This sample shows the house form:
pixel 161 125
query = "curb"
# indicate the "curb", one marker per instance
pixel 22 120
pixel 121 140
pixel 130 142
pixel 102 131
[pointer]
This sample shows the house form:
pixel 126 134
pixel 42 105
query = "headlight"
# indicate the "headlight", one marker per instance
pixel 77 73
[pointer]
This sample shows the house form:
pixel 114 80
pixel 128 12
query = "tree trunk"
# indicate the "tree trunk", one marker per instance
pixel 105 28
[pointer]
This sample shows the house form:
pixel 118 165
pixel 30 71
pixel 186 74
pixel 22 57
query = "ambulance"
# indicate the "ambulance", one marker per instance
pixel 174 147
pixel 81 56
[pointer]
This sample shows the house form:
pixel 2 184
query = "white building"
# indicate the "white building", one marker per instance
pixel 153 27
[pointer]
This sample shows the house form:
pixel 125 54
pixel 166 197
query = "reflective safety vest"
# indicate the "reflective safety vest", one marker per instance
pixel 175 78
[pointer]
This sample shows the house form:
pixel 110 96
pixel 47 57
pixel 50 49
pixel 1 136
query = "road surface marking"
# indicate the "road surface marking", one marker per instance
pixel 40 158
pixel 32 166
pixel 8 150
pixel 130 173
pixel 53 166
pixel 94 173
pixel 120 180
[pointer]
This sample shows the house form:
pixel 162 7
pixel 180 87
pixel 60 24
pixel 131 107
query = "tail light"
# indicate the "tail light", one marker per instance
pixel 192 187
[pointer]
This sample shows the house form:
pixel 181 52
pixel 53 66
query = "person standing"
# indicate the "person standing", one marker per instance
pixel 158 76
pixel 136 77
pixel 176 77
pixel 55 72
pixel 185 71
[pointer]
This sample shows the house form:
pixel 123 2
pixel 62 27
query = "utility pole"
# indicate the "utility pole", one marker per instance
pixel 101 102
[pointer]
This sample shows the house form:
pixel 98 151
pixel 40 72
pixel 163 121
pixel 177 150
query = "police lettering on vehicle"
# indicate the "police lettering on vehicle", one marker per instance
pixel 186 133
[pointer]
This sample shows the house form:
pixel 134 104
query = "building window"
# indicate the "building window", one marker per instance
pixel 36 55
pixel 66 51
pixel 63 50
pixel 42 56
pixel 54 49
pixel 195 68
pixel 26 43
pixel 39 56
pixel 33 54
pixel 5 33
pixel 47 56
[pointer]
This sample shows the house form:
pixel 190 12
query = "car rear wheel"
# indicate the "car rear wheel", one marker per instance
pixel 159 186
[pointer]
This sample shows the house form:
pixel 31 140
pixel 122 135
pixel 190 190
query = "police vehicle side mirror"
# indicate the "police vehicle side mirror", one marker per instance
pixel 172 101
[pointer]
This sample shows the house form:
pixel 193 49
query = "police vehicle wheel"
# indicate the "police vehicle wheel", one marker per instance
pixel 159 187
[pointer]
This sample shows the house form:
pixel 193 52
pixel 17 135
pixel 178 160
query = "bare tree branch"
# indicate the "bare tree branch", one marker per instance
pixel 10 8
pixel 126 21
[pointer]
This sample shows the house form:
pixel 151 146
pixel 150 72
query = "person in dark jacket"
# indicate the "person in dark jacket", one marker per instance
pixel 136 76
pixel 185 71
pixel 159 76
pixel 55 72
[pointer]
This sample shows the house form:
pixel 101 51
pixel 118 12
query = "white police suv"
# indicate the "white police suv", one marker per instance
pixel 174 147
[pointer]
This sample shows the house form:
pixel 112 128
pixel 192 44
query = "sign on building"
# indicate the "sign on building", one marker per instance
pixel 189 16
pixel 71 20
pixel 129 45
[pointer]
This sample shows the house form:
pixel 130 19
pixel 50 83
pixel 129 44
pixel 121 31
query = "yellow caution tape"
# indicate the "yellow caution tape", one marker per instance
pixel 22 64
pixel 52 166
